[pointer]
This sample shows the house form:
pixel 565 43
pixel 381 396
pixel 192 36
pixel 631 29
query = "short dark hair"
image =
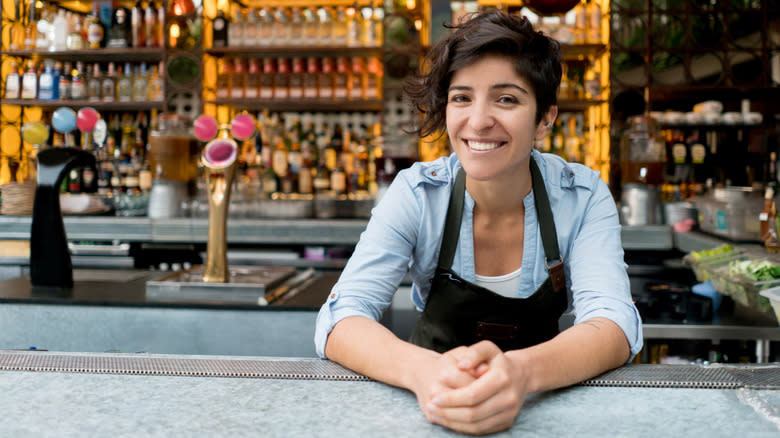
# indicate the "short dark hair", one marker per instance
pixel 535 56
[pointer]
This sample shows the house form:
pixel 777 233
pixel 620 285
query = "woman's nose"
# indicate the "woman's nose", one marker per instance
pixel 481 117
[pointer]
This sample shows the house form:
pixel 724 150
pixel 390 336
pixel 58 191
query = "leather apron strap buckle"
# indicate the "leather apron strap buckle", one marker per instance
pixel 495 331
pixel 557 275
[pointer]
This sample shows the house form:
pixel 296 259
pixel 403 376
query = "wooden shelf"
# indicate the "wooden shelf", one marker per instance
pixel 94 55
pixel 583 52
pixel 577 104
pixel 278 51
pixel 110 106
pixel 301 104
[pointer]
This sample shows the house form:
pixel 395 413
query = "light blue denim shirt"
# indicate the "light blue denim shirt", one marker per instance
pixel 405 232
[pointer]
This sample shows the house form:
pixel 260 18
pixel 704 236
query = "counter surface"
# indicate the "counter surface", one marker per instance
pixel 45 403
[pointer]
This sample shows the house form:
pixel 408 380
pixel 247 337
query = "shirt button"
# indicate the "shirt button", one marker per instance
pixel 571 175
pixel 433 173
pixel 332 296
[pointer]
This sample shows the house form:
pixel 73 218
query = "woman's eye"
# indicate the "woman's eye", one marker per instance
pixel 459 98
pixel 507 99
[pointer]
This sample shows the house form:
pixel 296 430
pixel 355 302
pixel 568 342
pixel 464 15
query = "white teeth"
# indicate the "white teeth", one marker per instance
pixel 480 146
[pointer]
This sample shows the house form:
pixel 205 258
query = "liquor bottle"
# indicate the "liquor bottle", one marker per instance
pixel 321 181
pixel 108 87
pixel 250 29
pixel 252 89
pixel 572 143
pixel 325 79
pixel 219 30
pixel 137 25
pixel 281 32
pixel 65 80
pixel 13 82
pixel 295 36
pixel 310 79
pixel 354 26
pixel 58 35
pixel 341 79
pixel 124 85
pixel 150 25
pixel 42 27
pixel 161 25
pixel 265 27
pixel 223 79
pixel 338 181
pixel 325 26
pixel 374 34
pixel 310 26
pixel 340 27
pixel 155 90
pixel 594 22
pixel 374 78
pixel 238 82
pixel 30 31
pixel 140 83
pixel 236 29
pixel 356 79
pixel 294 154
pixel 266 90
pixel 279 161
pixel 331 151
pixel 557 137
pixel 96 32
pixel 295 86
pixel 76 35
pixel 29 82
pixel 698 158
pixel 282 80
pixel 119 33
pixel 95 84
pixel 679 156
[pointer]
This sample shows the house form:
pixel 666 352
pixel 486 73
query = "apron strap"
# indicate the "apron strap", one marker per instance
pixel 451 234
pixel 452 225
pixel 553 259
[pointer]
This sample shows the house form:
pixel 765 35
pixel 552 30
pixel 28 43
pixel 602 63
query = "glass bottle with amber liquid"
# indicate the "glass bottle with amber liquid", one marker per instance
pixel 282 80
pixel 266 90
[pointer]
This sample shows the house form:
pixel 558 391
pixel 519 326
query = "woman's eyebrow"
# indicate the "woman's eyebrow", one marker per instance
pixel 494 87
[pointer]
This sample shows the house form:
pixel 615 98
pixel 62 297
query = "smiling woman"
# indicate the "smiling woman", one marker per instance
pixel 498 239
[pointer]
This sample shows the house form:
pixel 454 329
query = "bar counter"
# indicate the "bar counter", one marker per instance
pixel 176 395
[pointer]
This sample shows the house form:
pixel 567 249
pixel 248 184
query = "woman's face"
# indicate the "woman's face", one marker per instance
pixel 491 113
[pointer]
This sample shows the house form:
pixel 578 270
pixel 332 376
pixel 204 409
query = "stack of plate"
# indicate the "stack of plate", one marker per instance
pixel 17 198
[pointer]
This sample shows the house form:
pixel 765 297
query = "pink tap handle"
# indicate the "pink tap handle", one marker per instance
pixel 86 119
pixel 205 127
pixel 221 152
pixel 243 127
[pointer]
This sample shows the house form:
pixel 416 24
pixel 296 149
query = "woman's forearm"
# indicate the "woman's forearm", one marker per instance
pixel 583 351
pixel 369 348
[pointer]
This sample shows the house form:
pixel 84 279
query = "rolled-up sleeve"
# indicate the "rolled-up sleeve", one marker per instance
pixel 600 284
pixel 378 264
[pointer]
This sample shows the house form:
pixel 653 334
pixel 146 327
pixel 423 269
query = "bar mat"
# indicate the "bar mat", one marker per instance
pixel 647 376
pixel 691 376
pixel 162 365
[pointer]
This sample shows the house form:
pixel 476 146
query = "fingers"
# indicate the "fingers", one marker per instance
pixel 484 419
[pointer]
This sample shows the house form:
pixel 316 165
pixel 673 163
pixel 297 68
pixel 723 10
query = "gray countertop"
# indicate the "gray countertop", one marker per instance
pixel 46 403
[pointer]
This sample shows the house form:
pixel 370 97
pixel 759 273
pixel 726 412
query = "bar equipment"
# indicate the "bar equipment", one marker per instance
pixel 171 150
pixel 50 262
pixel 216 281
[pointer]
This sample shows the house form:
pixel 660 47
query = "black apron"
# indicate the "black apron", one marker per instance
pixel 461 313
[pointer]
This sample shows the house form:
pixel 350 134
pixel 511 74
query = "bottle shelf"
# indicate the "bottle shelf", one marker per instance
pixel 301 105
pixel 110 106
pixel 93 55
pixel 582 52
pixel 577 105
pixel 277 51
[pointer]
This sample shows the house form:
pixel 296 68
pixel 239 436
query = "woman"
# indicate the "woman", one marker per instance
pixel 493 237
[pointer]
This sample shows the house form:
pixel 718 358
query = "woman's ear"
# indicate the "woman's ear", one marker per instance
pixel 545 125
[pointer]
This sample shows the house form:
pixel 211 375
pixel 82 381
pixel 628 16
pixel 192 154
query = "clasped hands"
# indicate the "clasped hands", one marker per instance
pixel 472 389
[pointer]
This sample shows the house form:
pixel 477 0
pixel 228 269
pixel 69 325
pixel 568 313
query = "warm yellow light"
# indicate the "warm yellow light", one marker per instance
pixel 175 31
pixel 418 24
pixel 411 4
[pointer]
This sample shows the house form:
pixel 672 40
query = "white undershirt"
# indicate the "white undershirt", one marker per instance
pixel 506 285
